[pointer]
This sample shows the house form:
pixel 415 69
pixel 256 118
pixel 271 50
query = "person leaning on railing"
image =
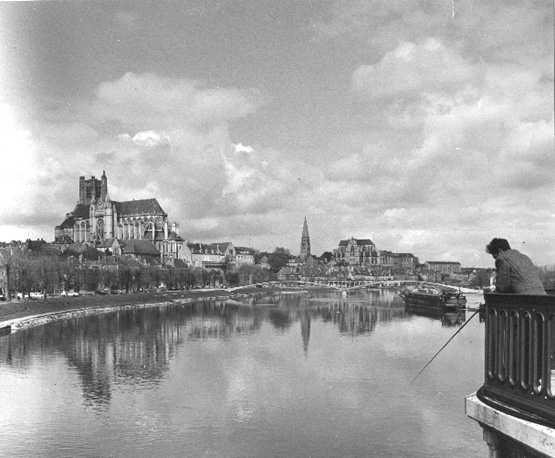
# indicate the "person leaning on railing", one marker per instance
pixel 514 271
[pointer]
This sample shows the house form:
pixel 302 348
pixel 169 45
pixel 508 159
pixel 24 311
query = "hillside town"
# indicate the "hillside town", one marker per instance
pixel 104 245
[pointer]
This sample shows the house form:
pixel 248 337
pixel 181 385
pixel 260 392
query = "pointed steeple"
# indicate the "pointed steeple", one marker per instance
pixel 305 241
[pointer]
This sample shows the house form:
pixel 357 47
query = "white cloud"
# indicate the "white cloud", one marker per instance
pixel 260 181
pixel 413 68
pixel 240 148
pixel 149 101
pixel 175 137
pixel 449 141
pixel 149 139
pixel 480 159
pixel 201 178
pixel 22 171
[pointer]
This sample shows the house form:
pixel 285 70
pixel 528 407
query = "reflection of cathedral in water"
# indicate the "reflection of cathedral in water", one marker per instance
pixel 355 319
pixel 132 347
pixel 221 320
pixel 135 347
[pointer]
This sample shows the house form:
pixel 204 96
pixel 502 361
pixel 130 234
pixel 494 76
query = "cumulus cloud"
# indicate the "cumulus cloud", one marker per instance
pixel 262 180
pixel 169 139
pixel 173 137
pixel 239 147
pixel 448 141
pixel 411 68
pixel 22 202
pixel 155 102
pixel 149 139
pixel 480 156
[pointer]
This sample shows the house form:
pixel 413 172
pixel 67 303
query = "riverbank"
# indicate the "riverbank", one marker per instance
pixel 21 308
pixel 20 314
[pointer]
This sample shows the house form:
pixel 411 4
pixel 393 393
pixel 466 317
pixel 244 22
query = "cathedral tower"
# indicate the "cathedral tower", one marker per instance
pixel 305 241
pixel 103 186
pixel 89 190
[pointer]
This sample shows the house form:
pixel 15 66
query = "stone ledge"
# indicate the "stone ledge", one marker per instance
pixel 537 437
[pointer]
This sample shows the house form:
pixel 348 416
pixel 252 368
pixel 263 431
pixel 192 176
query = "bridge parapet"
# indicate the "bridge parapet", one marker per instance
pixel 519 374
pixel 519 355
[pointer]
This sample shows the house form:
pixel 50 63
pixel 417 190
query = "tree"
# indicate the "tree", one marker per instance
pixel 278 259
pixel 247 274
pixel 259 255
pixel 547 275
pixel 200 275
pixel 232 278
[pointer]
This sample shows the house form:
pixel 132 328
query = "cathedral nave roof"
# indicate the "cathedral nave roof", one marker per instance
pixel 139 207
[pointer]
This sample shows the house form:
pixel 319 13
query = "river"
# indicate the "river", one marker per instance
pixel 276 375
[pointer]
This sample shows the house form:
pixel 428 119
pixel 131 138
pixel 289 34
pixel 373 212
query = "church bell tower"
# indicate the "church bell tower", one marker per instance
pixel 305 242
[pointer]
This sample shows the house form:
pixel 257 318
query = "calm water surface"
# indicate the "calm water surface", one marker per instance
pixel 276 375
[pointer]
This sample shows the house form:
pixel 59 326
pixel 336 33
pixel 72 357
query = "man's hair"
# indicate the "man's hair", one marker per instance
pixel 497 245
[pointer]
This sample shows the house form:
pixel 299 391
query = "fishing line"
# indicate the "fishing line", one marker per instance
pixel 445 344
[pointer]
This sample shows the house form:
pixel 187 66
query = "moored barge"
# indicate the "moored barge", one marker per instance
pixel 434 300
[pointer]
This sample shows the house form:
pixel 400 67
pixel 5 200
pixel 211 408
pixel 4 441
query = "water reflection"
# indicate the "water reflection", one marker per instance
pixel 448 319
pixel 129 347
pixel 135 347
pixel 354 315
pixel 304 318
pixel 272 375
pixel 221 320
pixel 358 319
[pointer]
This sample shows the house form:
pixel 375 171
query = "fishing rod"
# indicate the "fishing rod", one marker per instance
pixel 444 345
pixel 471 309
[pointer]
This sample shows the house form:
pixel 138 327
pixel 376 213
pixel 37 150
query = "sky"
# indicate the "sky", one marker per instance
pixel 424 125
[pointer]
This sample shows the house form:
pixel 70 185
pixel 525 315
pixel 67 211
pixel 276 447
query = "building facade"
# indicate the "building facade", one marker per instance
pixel 356 252
pixel 244 256
pixel 405 262
pixel 443 267
pixel 211 255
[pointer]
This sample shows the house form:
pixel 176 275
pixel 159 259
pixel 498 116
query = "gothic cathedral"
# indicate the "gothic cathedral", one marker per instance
pixel 97 218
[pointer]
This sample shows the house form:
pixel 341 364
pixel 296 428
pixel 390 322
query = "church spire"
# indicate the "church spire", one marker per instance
pixel 305 241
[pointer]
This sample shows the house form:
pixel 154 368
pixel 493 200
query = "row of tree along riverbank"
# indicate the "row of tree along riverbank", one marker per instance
pixel 40 269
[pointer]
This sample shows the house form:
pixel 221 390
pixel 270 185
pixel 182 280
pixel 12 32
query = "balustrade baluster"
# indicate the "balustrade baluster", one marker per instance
pixel 512 363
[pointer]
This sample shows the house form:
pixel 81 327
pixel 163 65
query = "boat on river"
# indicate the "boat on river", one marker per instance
pixel 433 299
